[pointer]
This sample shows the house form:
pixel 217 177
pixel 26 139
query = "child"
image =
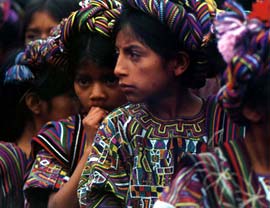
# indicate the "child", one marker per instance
pixel 29 98
pixel 42 15
pixel 61 148
pixel 162 52
pixel 236 174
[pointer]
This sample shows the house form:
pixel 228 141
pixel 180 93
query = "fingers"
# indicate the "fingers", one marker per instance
pixel 94 117
pixel 92 121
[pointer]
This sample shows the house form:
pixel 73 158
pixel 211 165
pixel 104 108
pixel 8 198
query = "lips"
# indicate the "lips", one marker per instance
pixel 126 87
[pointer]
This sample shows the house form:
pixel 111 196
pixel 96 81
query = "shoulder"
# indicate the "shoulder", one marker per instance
pixel 63 124
pixel 12 158
pixel 11 150
pixel 57 137
pixel 123 112
pixel 221 128
pixel 55 130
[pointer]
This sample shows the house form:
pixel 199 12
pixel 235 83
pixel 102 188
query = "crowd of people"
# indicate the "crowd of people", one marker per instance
pixel 134 103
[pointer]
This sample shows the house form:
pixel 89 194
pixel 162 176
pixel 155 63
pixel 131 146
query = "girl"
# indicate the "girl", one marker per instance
pixel 162 52
pixel 29 98
pixel 42 15
pixel 61 148
pixel 236 174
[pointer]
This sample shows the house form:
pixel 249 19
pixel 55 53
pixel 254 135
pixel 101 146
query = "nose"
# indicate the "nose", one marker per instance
pixel 44 34
pixel 120 67
pixel 98 93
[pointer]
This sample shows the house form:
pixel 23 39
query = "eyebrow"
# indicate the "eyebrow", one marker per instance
pixel 131 47
pixel 37 30
pixel 33 30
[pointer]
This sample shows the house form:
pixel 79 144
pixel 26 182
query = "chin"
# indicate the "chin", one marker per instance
pixel 133 99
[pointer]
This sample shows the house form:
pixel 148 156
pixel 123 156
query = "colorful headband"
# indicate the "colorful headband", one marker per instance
pixel 245 45
pixel 190 20
pixel 95 16
pixel 32 57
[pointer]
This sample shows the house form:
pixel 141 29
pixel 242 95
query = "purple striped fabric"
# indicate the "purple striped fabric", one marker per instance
pixel 12 168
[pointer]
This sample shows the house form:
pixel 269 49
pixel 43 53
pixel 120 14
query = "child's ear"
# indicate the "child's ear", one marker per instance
pixel 33 102
pixel 252 115
pixel 180 63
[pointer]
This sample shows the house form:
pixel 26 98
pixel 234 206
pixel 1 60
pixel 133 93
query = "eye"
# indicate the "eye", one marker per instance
pixel 110 80
pixel 83 81
pixel 31 35
pixel 134 55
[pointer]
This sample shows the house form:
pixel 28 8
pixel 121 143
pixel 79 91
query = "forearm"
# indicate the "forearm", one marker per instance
pixel 67 195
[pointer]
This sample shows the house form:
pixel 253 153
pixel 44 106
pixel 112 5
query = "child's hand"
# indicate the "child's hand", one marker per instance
pixel 92 121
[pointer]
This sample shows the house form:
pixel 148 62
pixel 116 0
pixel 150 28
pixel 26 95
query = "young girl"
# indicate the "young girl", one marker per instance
pixel 29 98
pixel 236 174
pixel 162 52
pixel 61 148
pixel 42 15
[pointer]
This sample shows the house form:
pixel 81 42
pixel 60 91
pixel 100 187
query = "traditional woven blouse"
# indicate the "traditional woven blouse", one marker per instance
pixel 135 154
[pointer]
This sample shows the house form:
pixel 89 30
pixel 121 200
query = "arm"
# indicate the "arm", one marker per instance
pixel 67 195
pixel 104 181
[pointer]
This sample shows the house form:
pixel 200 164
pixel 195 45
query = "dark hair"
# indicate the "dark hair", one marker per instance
pixel 258 94
pixel 58 9
pixel 92 47
pixel 49 82
pixel 165 43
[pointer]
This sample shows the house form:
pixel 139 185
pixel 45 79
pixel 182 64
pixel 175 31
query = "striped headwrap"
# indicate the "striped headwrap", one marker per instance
pixel 32 57
pixel 95 16
pixel 190 20
pixel 245 45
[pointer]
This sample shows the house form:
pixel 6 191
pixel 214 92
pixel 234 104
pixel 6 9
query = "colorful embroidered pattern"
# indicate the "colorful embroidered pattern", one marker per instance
pixel 135 155
pixel 57 150
pixel 222 178
pixel 46 173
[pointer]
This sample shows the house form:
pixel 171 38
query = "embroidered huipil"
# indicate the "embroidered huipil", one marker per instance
pixel 135 154
pixel 56 151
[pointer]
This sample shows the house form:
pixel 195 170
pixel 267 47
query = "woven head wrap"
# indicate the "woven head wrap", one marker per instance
pixel 95 16
pixel 245 46
pixel 32 57
pixel 190 20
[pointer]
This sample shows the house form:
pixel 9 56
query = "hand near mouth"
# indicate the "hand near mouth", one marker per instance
pixel 92 121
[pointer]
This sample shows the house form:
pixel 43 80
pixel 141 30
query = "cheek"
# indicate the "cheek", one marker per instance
pixel 81 94
pixel 63 107
pixel 116 97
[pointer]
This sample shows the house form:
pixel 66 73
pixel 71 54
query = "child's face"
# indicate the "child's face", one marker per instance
pixel 97 87
pixel 40 26
pixel 142 73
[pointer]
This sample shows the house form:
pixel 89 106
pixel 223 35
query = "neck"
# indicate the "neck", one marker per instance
pixel 182 103
pixel 24 142
pixel 257 142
